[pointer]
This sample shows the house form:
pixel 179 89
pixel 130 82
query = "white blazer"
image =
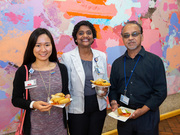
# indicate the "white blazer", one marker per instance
pixel 76 76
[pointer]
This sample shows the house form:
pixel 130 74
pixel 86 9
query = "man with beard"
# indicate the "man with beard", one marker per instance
pixel 138 81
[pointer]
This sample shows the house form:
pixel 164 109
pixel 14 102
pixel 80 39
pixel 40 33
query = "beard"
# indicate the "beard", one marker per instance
pixel 131 45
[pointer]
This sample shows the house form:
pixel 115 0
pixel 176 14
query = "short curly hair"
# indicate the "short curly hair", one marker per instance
pixel 78 25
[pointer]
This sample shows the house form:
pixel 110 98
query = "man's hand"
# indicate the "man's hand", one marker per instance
pixel 140 111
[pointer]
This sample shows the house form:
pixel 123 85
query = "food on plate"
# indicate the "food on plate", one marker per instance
pixel 60 94
pixel 59 98
pixel 123 112
pixel 101 82
pixel 64 101
pixel 119 111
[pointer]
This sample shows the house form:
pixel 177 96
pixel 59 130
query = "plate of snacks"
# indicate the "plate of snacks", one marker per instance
pixel 101 82
pixel 99 85
pixel 122 113
pixel 59 100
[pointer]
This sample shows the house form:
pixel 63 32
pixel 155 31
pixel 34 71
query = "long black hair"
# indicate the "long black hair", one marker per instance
pixel 78 25
pixel 29 55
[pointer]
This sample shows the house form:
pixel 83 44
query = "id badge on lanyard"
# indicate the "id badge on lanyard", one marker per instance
pixel 31 83
pixel 124 99
pixel 98 69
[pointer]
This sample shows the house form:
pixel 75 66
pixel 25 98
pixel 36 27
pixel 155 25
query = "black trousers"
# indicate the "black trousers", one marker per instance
pixel 147 124
pixel 90 122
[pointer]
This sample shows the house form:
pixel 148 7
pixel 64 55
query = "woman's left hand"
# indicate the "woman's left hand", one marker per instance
pixel 68 96
pixel 105 89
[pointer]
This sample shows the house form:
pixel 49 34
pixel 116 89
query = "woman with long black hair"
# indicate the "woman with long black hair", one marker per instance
pixel 49 77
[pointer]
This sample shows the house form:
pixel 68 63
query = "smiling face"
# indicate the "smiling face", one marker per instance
pixel 84 36
pixel 43 48
pixel 133 42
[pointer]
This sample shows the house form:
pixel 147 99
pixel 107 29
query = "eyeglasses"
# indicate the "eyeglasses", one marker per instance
pixel 127 35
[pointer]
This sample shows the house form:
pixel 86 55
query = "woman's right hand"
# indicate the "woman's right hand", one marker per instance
pixel 42 106
pixel 68 96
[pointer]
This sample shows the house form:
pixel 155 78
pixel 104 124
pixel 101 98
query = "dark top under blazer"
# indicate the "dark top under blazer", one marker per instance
pixel 19 91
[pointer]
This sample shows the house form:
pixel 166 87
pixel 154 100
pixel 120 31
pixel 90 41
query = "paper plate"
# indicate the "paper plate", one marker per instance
pixel 115 114
pixel 61 105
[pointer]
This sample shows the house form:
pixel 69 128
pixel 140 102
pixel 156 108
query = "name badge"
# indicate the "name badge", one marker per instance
pixel 30 84
pixel 99 70
pixel 124 99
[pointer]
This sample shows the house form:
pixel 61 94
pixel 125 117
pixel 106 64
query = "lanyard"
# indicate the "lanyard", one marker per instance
pixel 126 84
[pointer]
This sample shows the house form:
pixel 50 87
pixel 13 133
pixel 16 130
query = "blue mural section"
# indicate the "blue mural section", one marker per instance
pixel 114 52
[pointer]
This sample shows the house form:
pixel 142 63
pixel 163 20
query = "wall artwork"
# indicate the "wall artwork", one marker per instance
pixel 18 18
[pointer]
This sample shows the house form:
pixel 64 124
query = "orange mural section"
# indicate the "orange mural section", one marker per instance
pixel 101 2
pixel 173 56
pixel 10 44
pixel 86 9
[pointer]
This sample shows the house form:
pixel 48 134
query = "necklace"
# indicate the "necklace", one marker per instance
pixel 48 91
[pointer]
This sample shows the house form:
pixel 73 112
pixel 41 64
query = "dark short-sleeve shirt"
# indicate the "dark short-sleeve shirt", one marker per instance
pixel 147 85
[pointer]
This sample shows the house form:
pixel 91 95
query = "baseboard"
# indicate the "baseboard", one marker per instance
pixel 169 114
pixel 162 117
pixel 112 132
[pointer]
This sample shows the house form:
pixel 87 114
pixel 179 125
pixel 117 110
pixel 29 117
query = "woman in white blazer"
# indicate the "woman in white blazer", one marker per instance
pixel 87 111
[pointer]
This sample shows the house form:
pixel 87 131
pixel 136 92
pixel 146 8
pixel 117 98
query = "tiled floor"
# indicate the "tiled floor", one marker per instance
pixel 170 126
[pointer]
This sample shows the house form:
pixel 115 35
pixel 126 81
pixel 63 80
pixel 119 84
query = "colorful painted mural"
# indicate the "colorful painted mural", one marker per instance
pixel 18 18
